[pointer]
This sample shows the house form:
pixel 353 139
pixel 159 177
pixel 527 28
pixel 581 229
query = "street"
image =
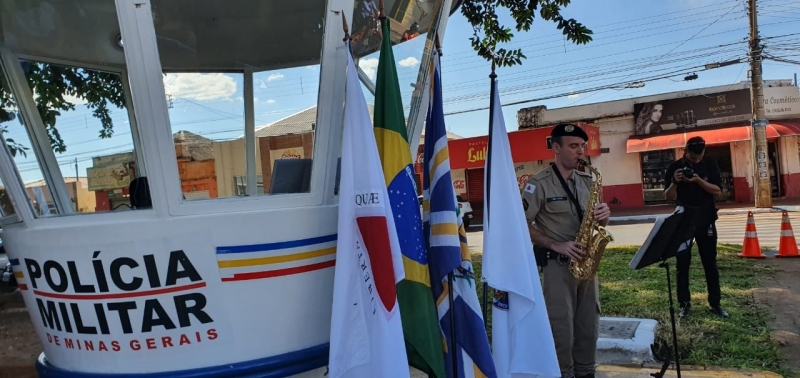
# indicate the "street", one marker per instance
pixel 730 229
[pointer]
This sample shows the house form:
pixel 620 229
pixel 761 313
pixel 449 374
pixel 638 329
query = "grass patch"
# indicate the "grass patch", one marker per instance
pixel 741 341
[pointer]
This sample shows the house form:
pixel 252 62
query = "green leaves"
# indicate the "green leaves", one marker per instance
pixel 54 88
pixel 488 32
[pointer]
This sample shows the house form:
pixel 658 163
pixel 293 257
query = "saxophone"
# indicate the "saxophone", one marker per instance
pixel 592 235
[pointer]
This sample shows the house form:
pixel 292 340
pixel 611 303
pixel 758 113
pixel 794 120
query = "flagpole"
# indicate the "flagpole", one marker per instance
pixel 492 78
pixel 453 342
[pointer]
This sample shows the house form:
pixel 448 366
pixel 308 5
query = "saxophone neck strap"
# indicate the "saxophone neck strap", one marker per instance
pixel 569 192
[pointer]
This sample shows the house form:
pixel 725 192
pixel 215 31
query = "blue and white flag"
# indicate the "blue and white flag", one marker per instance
pixel 522 341
pixel 448 252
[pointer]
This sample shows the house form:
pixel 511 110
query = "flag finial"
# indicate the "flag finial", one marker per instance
pixel 438 44
pixel 344 27
pixel 493 75
pixel 380 10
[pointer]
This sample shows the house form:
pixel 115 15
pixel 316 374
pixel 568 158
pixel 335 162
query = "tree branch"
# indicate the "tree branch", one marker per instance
pixel 488 32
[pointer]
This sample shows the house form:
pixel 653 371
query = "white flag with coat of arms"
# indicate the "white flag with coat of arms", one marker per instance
pixel 366 331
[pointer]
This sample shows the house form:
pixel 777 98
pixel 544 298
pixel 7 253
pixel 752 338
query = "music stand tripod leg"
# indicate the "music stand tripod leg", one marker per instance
pixel 664 264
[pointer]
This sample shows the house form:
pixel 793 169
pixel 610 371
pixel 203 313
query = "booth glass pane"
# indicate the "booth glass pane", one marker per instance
pixel 14 129
pixel 6 207
pixel 409 25
pixel 70 55
pixel 12 121
pixel 204 49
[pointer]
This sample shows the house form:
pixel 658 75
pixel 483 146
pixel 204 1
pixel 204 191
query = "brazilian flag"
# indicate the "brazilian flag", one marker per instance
pixel 417 309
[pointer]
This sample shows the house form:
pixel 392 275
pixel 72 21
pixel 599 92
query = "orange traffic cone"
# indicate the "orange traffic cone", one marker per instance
pixel 788 245
pixel 751 247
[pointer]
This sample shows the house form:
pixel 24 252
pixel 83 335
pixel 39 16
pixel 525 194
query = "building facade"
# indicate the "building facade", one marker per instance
pixel 632 142
pixel 110 176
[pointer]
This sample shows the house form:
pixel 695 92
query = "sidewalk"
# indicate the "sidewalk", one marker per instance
pixel 607 371
pixel 648 214
pixel 613 371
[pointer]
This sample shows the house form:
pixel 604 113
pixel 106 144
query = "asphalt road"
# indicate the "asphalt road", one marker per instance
pixel 729 227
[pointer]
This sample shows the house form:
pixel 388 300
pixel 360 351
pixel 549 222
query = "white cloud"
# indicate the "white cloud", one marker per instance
pixel 73 99
pixel 270 101
pixel 275 76
pixel 409 62
pixel 198 86
pixel 255 100
pixel 369 66
pixel 574 95
pixel 68 98
pixel 263 85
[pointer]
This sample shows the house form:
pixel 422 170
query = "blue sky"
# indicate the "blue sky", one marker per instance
pixel 633 40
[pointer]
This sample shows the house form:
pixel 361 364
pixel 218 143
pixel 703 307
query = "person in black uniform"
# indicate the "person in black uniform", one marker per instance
pixel 694 182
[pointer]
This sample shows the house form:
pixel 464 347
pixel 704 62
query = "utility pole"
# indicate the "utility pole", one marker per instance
pixel 77 185
pixel 761 179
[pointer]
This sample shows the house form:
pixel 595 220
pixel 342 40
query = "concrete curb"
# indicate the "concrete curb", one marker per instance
pixel 636 350
pixel 651 218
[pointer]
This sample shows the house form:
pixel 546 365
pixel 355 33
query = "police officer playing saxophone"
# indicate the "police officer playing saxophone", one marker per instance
pixel 694 181
pixel 554 201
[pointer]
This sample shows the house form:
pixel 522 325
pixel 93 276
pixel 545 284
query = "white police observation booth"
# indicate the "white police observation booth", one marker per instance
pixel 126 266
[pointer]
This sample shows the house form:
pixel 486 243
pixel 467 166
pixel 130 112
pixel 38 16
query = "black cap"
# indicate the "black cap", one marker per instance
pixel 696 144
pixel 568 129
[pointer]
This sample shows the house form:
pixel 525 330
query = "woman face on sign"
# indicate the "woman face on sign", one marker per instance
pixel 655 115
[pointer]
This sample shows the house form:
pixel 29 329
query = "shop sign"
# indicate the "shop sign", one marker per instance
pixel 691 112
pixel 526 145
pixel 109 177
pixel 781 102
pixel 459 181
pixel 286 153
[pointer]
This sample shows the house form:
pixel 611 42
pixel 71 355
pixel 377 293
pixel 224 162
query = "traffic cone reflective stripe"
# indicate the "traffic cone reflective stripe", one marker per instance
pixel 751 247
pixel 788 245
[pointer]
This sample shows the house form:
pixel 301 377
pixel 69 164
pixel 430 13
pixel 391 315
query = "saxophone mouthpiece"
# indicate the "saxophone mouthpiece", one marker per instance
pixel 583 162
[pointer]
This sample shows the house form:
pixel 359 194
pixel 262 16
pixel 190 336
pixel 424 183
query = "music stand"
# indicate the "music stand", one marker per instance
pixel 669 236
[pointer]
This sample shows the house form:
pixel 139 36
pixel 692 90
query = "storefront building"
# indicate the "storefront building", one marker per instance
pixel 640 137
pixel 633 141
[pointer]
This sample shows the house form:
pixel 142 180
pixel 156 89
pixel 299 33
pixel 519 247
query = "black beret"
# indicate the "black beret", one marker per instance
pixel 568 129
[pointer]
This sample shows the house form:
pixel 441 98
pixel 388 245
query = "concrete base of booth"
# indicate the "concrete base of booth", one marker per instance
pixel 284 365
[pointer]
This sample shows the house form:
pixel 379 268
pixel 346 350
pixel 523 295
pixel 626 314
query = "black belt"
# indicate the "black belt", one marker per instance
pixel 551 254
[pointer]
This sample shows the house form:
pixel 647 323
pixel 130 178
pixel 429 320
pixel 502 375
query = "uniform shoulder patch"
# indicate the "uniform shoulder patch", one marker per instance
pixel 529 187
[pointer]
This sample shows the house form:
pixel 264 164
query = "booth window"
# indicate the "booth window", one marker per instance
pixel 241 185
pixel 67 119
pixel 242 89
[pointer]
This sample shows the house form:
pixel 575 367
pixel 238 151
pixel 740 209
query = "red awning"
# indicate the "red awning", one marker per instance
pixel 717 136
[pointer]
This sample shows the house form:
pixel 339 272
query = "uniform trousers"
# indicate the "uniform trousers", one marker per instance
pixel 706 238
pixel 573 308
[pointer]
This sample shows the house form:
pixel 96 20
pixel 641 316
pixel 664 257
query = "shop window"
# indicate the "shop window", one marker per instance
pixel 654 168
pixel 722 155
pixel 242 94
pixel 68 123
